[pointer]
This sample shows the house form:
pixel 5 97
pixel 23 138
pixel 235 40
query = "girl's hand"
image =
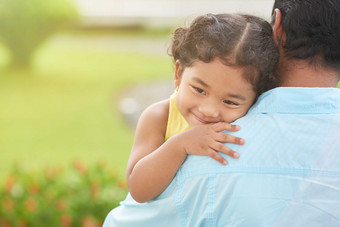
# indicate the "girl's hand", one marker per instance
pixel 206 140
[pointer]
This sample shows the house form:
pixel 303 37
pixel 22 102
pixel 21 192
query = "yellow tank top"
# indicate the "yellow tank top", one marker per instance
pixel 176 122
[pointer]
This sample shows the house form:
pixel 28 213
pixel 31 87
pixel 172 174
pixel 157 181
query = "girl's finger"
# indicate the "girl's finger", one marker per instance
pixel 221 126
pixel 213 154
pixel 226 138
pixel 225 150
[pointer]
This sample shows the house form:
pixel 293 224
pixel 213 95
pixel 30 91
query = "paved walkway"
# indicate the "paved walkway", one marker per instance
pixel 134 100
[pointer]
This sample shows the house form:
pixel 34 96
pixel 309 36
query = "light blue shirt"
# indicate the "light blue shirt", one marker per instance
pixel 288 173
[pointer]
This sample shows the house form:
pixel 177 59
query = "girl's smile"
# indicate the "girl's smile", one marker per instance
pixel 201 120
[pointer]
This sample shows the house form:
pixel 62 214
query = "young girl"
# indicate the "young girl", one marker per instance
pixel 222 64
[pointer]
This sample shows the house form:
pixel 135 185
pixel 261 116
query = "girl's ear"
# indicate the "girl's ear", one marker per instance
pixel 178 73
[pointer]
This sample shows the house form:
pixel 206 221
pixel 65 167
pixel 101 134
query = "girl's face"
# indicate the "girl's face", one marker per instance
pixel 212 92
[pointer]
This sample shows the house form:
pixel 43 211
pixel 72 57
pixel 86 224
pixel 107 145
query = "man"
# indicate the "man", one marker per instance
pixel 288 173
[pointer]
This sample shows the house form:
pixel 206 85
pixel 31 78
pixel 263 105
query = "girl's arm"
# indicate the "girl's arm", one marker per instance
pixel 153 163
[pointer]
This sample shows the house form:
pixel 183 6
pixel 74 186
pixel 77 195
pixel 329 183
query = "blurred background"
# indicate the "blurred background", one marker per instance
pixel 68 68
pixel 74 77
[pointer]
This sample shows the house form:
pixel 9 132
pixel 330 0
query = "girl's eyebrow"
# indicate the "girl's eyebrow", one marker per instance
pixel 200 81
pixel 237 96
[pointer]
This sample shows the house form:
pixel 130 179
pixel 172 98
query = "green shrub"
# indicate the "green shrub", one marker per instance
pixel 24 25
pixel 77 196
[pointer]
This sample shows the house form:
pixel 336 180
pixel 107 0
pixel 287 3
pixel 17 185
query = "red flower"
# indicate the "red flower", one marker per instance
pixel 31 205
pixel 22 223
pixel 66 220
pixel 8 204
pixel 61 205
pixel 89 221
pixel 5 223
pixel 80 166
pixel 10 182
pixel 95 189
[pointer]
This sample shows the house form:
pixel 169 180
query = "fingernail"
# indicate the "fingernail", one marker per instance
pixel 224 162
pixel 236 155
pixel 242 141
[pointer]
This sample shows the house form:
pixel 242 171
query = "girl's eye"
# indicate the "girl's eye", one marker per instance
pixel 230 102
pixel 199 90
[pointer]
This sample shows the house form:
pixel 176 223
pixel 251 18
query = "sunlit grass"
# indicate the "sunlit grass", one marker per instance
pixel 65 107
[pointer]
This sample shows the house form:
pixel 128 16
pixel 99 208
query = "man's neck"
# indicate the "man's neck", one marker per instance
pixel 301 74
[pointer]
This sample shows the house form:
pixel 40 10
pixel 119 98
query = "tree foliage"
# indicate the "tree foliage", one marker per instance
pixel 26 24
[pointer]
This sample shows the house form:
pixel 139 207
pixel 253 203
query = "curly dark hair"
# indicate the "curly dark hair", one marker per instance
pixel 312 29
pixel 238 40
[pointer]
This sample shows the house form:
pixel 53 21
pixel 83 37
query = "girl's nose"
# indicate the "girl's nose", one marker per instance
pixel 209 110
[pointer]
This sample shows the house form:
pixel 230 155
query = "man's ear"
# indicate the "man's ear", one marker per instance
pixel 278 31
pixel 178 73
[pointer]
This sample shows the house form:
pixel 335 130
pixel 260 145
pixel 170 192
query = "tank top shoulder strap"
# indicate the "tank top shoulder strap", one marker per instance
pixel 176 122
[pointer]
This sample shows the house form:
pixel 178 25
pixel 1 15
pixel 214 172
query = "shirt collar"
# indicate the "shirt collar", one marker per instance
pixel 298 100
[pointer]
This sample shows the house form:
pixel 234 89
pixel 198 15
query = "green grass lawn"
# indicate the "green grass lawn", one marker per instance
pixel 64 108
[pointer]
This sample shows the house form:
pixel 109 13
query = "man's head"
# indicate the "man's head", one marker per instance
pixel 310 31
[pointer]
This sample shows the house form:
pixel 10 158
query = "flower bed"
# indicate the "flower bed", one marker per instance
pixel 77 196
